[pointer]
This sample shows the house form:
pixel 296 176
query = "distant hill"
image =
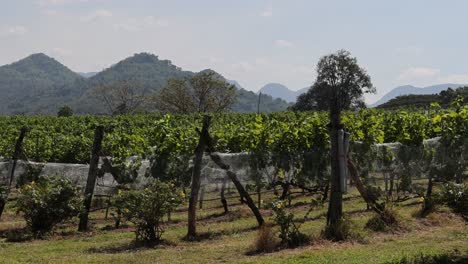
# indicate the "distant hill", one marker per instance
pixel 247 101
pixel 444 98
pixel 39 84
pixel 278 90
pixel 409 89
pixel 87 74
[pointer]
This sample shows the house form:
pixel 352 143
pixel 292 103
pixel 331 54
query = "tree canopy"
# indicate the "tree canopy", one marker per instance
pixel 204 92
pixel 340 84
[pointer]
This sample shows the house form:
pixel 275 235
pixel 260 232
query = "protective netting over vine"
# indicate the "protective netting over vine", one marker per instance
pixel 435 158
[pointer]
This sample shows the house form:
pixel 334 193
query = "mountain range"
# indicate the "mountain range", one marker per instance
pixel 278 90
pixel 409 89
pixel 40 84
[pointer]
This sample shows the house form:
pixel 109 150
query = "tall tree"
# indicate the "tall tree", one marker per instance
pixel 122 97
pixel 340 85
pixel 204 92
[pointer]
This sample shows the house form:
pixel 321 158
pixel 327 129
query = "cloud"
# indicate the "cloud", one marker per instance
pixel 96 15
pixel 13 31
pixel 61 52
pixel 140 24
pixel 409 51
pixel 418 72
pixel 59 2
pixel 49 12
pixel 455 78
pixel 283 43
pixel 268 12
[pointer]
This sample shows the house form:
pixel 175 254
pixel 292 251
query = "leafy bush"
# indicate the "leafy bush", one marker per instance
pixel 32 173
pixel 455 196
pixel 377 224
pixel 146 208
pixel 265 240
pixel 339 231
pixel 48 202
pixel 65 111
pixel 289 233
pixel 429 205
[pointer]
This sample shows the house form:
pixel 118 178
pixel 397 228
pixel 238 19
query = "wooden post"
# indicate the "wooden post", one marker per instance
pixel 223 197
pixel 196 179
pixel 92 176
pixel 202 196
pixel 341 160
pixel 240 188
pixel 12 167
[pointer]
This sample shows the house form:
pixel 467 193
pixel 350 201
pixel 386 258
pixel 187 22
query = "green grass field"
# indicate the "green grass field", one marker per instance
pixel 229 238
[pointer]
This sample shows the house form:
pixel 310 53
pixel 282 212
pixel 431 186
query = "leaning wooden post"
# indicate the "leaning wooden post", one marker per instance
pixel 223 197
pixel 12 167
pixel 196 179
pixel 240 188
pixel 92 176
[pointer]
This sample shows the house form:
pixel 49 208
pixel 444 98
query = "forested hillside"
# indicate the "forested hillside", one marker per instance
pixel 424 100
pixel 39 84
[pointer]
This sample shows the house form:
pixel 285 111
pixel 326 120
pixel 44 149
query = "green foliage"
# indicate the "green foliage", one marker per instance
pixel 146 208
pixel 455 196
pixel 48 202
pixel 341 230
pixel 289 232
pixel 31 173
pixel 65 111
pixel 414 101
pixel 340 85
pixel 430 259
pixel 206 91
pixel 376 223
pixel 39 84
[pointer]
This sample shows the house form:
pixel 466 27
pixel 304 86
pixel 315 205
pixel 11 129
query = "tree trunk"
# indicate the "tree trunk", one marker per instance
pixel 196 178
pixel 92 176
pixel 12 167
pixel 335 206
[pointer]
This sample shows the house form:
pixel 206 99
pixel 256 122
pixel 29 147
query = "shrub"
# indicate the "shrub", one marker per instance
pixel 265 240
pixel 428 206
pixel 48 202
pixel 146 208
pixel 289 233
pixel 32 173
pixel 455 196
pixel 339 231
pixel 65 111
pixel 377 224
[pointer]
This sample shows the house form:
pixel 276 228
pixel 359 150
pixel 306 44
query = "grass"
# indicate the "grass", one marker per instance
pixel 229 238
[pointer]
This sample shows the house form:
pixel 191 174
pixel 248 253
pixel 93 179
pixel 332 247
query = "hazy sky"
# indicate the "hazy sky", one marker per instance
pixel 252 41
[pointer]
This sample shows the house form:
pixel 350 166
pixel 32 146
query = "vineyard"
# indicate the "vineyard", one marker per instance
pixel 278 161
pixel 69 139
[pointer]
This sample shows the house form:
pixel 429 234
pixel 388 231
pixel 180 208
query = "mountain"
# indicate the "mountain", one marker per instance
pixel 278 90
pixel 444 99
pixel 87 74
pixel 39 84
pixel 409 89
